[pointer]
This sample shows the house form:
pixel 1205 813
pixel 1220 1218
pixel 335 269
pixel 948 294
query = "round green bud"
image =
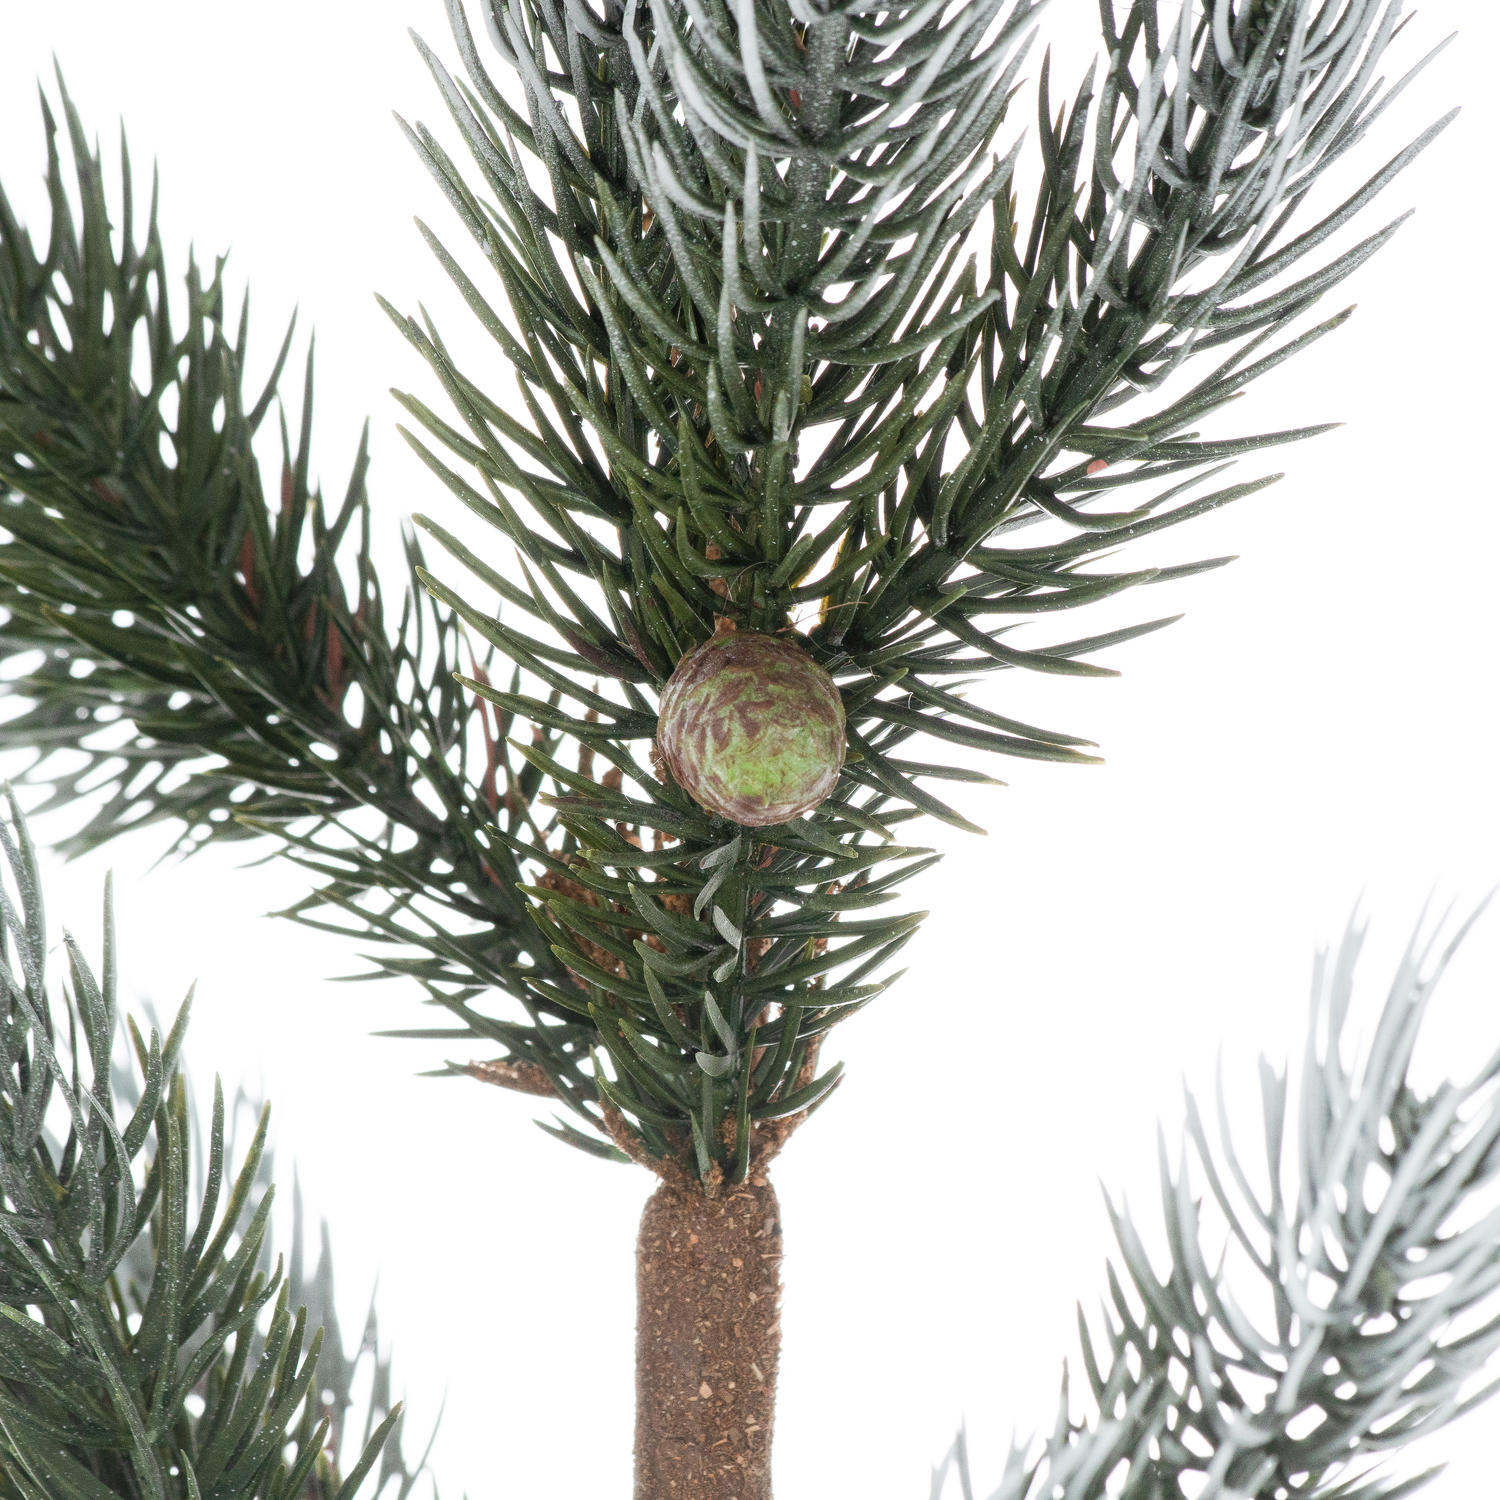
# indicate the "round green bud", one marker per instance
pixel 752 728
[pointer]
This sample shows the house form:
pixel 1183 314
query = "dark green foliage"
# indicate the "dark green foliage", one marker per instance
pixel 352 1419
pixel 761 378
pixel 144 550
pixel 1337 1313
pixel 200 655
pixel 789 352
pixel 147 1348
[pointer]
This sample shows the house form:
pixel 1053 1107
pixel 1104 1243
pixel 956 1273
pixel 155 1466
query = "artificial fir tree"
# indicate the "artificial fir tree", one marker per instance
pixel 796 366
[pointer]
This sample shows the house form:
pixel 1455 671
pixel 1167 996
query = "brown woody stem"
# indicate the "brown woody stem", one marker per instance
pixel 708 1336
pixel 523 1077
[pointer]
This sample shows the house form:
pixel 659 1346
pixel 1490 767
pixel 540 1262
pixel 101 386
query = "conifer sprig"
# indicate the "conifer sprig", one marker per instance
pixel 147 1347
pixel 1342 1304
pixel 194 646
pixel 770 374
pixel 760 378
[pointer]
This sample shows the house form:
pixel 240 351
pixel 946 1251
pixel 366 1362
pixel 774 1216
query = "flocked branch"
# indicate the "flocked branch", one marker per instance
pixel 1336 1301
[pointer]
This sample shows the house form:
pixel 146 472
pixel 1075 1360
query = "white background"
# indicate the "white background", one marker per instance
pixel 1318 731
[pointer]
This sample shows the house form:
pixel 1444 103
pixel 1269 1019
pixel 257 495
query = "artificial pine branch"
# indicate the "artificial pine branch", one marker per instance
pixel 794 366
pixel 662 476
pixel 354 1392
pixel 193 650
pixel 147 1346
pixel 1358 1311
pixel 761 378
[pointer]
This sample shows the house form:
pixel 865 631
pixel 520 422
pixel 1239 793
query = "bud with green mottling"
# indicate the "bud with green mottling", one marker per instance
pixel 752 728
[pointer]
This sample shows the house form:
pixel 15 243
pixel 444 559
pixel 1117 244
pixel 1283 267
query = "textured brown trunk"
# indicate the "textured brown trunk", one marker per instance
pixel 708 1334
